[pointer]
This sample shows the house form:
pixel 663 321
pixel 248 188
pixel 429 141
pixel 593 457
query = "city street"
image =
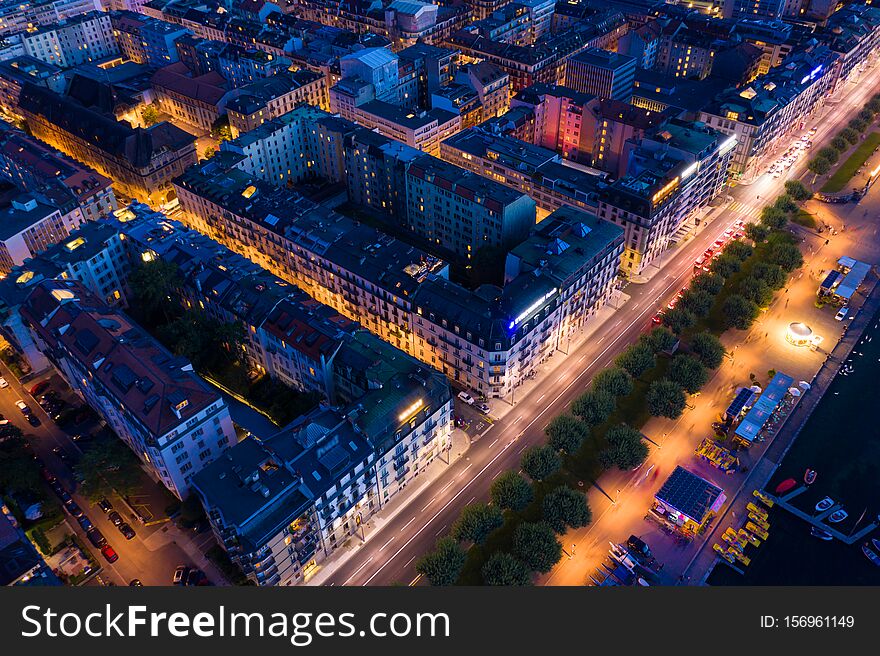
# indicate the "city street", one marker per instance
pixel 153 554
pixel 389 553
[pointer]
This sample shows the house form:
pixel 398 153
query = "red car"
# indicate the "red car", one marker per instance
pixel 108 553
pixel 40 387
pixel 657 319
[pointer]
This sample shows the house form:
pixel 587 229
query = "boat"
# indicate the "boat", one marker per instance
pixel 838 516
pixel 785 486
pixel 810 476
pixel 870 554
pixel 876 544
pixel 819 533
pixel 824 504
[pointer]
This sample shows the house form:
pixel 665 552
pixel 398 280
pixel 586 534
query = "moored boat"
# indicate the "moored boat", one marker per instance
pixel 870 554
pixel 819 533
pixel 785 486
pixel 838 516
pixel 810 476
pixel 824 504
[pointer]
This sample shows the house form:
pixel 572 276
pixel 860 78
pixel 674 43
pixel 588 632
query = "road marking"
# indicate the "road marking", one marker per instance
pixel 525 446
pixel 407 524
pixel 415 580
pixel 493 443
pixel 440 531
pixel 429 504
pixel 517 420
pixel 386 544
pixel 366 562
pixel 541 397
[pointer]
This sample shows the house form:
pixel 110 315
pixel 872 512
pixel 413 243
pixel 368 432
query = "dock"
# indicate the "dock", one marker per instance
pixel 818 520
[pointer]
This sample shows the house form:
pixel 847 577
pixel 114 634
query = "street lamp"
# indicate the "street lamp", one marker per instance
pixel 617 497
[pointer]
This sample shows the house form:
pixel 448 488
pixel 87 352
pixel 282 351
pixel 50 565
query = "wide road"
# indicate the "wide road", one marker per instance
pixel 390 553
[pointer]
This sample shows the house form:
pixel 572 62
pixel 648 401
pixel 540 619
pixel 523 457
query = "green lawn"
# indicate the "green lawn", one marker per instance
pixel 848 168
pixel 804 218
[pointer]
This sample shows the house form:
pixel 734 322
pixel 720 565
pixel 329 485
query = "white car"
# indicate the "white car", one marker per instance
pixel 3 383
pixel 483 407
pixel 467 398
pixel 21 405
pixel 841 313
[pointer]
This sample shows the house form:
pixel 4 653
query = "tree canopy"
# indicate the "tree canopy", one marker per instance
pixel 505 569
pixel 626 450
pixel 563 507
pixel 535 544
pixel 708 348
pixel 593 406
pixel 665 398
pixel 688 372
pixel 540 462
pixel 739 312
pixel 475 522
pixel 511 491
pixel 679 319
pixel 107 465
pixel 566 434
pixel 636 360
pixel 442 566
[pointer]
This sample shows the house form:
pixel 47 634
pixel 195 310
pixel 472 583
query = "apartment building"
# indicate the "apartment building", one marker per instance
pixel 35 168
pixel 170 419
pixel 16 71
pixel 30 225
pixel 601 73
pixel 147 40
pixel 140 161
pixel 462 211
pixel 422 69
pixel 196 101
pixel 268 98
pixel 72 41
pixel 280 506
pixel 17 16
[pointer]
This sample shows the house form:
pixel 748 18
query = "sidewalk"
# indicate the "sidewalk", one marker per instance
pixel 460 445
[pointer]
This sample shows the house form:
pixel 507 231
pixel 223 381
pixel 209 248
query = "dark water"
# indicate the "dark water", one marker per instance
pixel 841 441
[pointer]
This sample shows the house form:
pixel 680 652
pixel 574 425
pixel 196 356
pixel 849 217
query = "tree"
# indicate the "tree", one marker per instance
pixel 757 232
pixel 678 319
pixel 150 115
pixel 209 153
pixel 739 312
pixel 839 143
pixel 566 434
pixel 829 153
pixel 787 256
pixel 665 398
pixel 820 165
pixel 511 491
pixel 614 381
pixel 636 360
pixel 866 115
pixel 740 250
pixel 689 372
pixel 593 407
pixel 564 507
pixel 711 283
pixel 661 339
pixel 626 450
pixel 443 565
pixel 505 569
pixel 19 472
pixel 773 217
pixel 726 265
pixel 858 125
pixel 155 287
pixel 475 522
pixel 209 344
pixel 873 105
pixel 540 462
pixel 785 203
pixel 708 349
pixel 535 544
pixel 850 135
pixel 772 274
pixel 757 291
pixel 106 466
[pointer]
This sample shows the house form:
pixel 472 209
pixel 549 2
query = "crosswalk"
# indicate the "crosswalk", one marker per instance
pixel 744 209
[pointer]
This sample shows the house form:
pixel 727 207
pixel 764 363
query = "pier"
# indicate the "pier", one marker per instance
pixel 818 520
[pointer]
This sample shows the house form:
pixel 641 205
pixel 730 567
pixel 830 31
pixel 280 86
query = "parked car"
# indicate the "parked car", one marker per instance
pixel 180 575
pixel 40 387
pixel 136 583
pixel 194 577
pixel 21 405
pixel 105 505
pixel 467 398
pixel 127 531
pixel 3 383
pixel 33 420
pixel 85 523
pixel 96 538
pixel 109 554
pixel 115 517
pixel 841 313
pixel 74 509
pixel 483 407
pixel 48 476
pixel 3 420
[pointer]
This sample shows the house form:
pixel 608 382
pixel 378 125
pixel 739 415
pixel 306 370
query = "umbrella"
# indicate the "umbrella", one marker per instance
pixel 804 385
pixel 794 391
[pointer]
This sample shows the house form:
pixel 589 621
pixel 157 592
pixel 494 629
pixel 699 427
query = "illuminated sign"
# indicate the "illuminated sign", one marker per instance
pixel 728 145
pixel 689 171
pixel 533 307
pixel 410 411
